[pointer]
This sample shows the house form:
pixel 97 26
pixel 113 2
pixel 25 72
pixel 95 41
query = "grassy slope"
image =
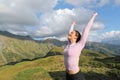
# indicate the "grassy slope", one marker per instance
pixel 52 68
pixel 33 70
pixel 15 50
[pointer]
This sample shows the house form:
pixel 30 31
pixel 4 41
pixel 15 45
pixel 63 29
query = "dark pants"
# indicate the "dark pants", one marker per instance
pixel 77 76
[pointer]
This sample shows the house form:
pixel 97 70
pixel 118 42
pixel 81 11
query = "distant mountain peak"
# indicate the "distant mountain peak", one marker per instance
pixel 96 46
pixel 114 42
pixel 8 34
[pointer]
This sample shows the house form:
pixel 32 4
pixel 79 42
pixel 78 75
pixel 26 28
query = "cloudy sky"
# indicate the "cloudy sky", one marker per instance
pixel 42 19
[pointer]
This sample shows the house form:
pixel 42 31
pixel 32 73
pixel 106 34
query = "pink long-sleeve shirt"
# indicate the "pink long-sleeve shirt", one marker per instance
pixel 73 51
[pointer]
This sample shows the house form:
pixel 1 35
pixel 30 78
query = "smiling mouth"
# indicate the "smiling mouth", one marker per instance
pixel 69 35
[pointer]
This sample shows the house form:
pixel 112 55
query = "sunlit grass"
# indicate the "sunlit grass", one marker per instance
pixel 52 68
pixel 40 67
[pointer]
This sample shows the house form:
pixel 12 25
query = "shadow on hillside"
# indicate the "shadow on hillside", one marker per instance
pixel 60 75
pixel 96 76
pixel 13 63
pixel 115 59
pixel 110 62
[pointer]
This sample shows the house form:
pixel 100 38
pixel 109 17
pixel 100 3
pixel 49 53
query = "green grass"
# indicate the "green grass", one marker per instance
pixel 15 50
pixel 40 69
pixel 32 74
pixel 52 68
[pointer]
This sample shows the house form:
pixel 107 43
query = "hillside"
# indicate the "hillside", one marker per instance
pixel 95 66
pixel 26 59
pixel 103 48
pixel 7 34
pixel 96 46
pixel 14 49
pixel 114 42
pixel 54 42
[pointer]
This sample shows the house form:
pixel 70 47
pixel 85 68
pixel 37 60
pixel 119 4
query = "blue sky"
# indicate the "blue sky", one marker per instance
pixel 110 16
pixel 43 19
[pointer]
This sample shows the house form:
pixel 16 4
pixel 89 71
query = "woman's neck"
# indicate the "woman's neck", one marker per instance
pixel 72 41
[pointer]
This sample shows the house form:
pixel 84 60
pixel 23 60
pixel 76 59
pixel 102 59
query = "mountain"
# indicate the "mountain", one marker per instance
pixel 103 48
pixel 96 46
pixel 54 42
pixel 14 48
pixel 94 62
pixel 8 34
pixel 113 42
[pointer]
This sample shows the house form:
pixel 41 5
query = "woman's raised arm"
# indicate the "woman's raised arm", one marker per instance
pixel 87 29
pixel 72 27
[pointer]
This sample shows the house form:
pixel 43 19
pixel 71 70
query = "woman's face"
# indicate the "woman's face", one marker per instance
pixel 72 36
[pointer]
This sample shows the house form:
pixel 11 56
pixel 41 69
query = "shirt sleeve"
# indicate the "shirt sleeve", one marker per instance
pixel 71 28
pixel 86 31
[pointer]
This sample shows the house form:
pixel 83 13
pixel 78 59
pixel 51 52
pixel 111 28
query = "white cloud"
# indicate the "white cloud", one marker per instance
pixel 77 2
pixel 117 2
pixel 22 12
pixel 57 23
pixel 98 26
pixel 112 35
pixel 102 3
pixel 17 15
pixel 89 3
pixel 15 29
pixel 41 5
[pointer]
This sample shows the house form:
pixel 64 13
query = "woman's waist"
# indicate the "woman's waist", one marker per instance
pixel 72 71
pixel 71 61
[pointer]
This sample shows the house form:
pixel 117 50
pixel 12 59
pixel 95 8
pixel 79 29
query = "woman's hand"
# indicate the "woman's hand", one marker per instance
pixel 73 23
pixel 95 13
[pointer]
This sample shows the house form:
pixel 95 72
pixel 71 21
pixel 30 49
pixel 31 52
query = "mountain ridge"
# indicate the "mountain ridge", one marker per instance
pixel 14 48
pixel 96 65
pixel 96 46
pixel 8 34
pixel 114 42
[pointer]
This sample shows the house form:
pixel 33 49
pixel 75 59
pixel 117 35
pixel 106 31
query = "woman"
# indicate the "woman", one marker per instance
pixel 76 43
